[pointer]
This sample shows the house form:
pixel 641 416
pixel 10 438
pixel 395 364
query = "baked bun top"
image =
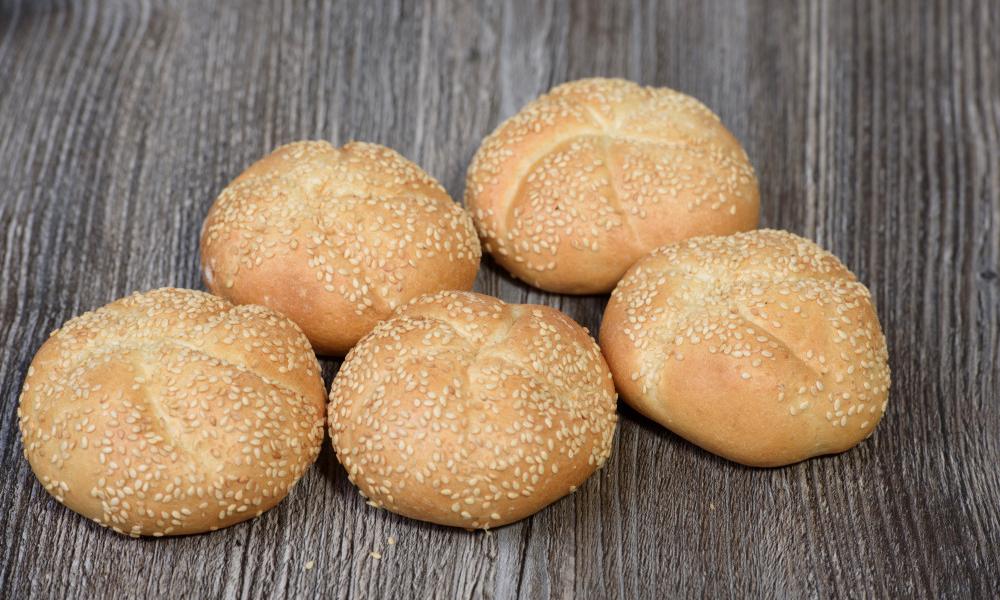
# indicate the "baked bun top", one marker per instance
pixel 336 238
pixel 466 411
pixel 760 347
pixel 172 412
pixel 585 180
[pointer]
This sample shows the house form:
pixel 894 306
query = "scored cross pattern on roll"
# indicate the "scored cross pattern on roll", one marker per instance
pixel 585 180
pixel 336 238
pixel 466 411
pixel 172 412
pixel 760 347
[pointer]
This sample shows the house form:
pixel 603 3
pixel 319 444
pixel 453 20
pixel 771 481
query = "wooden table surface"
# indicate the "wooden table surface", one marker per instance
pixel 874 128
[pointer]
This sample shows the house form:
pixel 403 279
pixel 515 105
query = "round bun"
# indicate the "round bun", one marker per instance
pixel 760 347
pixel 172 412
pixel 465 411
pixel 585 180
pixel 336 239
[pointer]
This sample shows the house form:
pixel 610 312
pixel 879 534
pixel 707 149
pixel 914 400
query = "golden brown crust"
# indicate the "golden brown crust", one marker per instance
pixel 336 238
pixel 760 347
pixel 172 412
pixel 585 180
pixel 466 411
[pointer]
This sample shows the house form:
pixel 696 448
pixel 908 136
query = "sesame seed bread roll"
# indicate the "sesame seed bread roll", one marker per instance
pixel 759 347
pixel 336 238
pixel 172 412
pixel 587 179
pixel 465 411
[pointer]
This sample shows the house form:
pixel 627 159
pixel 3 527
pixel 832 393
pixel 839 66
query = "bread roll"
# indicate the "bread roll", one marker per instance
pixel 172 412
pixel 466 411
pixel 335 239
pixel 760 347
pixel 585 180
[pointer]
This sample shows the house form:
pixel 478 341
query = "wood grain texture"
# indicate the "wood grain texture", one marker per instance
pixel 875 130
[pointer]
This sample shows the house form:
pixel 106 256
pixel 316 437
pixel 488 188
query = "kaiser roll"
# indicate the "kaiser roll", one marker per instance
pixel 760 347
pixel 466 411
pixel 336 238
pixel 590 177
pixel 172 412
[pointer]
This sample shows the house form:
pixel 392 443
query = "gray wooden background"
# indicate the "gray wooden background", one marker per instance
pixel 875 130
